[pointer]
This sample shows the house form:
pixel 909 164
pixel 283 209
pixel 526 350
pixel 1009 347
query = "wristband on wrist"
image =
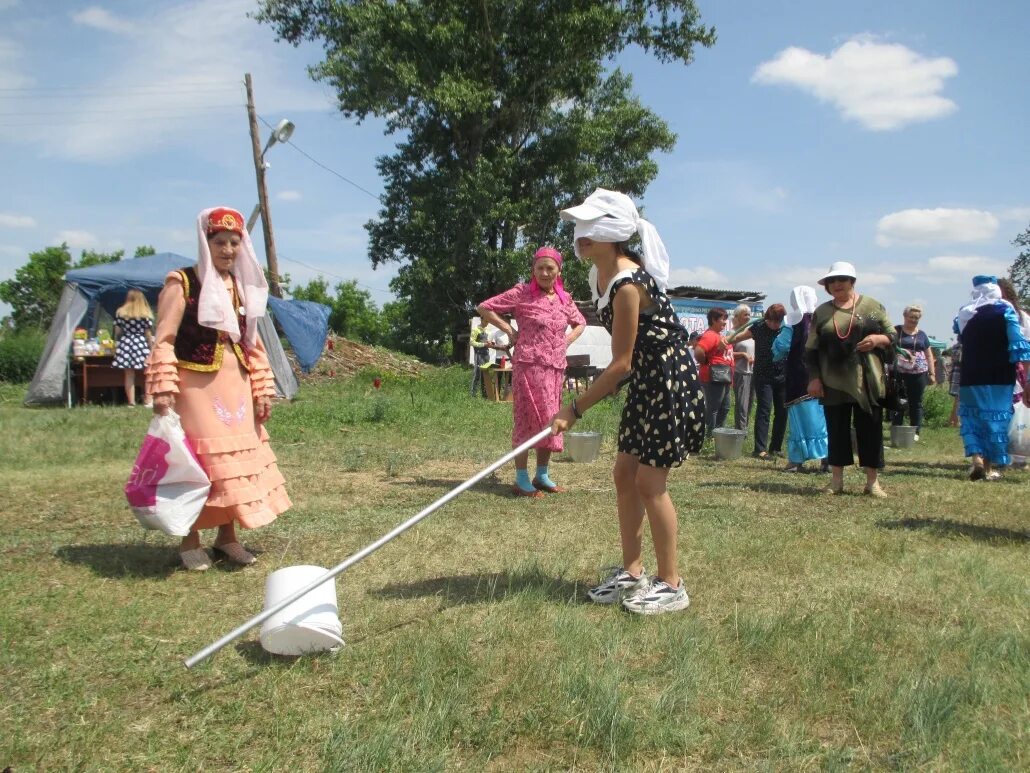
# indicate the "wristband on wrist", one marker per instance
pixel 575 410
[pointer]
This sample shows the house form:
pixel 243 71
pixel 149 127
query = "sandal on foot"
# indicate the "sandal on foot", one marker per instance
pixel 234 553
pixel 977 472
pixel 875 491
pixel 539 485
pixel 196 560
pixel 522 493
pixel 834 490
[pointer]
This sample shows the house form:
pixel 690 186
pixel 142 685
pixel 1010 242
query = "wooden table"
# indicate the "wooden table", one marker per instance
pixel 96 372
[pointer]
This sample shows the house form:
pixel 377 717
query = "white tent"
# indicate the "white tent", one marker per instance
pixel 87 290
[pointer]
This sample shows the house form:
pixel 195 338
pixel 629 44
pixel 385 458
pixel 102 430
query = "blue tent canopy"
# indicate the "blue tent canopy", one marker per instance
pixel 305 324
pixel 106 284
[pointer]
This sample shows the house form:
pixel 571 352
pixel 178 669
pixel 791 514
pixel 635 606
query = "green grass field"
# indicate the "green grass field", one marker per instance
pixel 825 633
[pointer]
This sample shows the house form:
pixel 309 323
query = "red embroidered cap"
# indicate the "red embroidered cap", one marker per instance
pixel 224 219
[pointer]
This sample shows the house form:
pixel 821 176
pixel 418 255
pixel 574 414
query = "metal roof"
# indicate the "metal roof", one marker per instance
pixel 707 294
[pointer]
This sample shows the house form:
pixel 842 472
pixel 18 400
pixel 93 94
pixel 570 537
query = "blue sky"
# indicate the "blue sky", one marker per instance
pixel 889 134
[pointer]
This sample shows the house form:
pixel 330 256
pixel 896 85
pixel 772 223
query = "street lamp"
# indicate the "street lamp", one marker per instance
pixel 281 133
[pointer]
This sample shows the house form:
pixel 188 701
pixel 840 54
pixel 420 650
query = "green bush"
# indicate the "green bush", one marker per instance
pixel 936 406
pixel 19 354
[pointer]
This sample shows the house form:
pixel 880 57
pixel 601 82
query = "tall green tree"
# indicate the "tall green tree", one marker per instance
pixel 1020 270
pixel 354 315
pixel 509 110
pixel 35 290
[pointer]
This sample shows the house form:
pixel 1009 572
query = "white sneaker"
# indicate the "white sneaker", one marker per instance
pixel 659 597
pixel 617 585
pixel 917 438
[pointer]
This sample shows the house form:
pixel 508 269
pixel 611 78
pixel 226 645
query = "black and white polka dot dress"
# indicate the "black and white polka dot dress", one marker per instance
pixel 132 350
pixel 664 417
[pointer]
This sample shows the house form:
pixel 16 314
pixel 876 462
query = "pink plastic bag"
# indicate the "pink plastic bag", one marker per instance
pixel 167 488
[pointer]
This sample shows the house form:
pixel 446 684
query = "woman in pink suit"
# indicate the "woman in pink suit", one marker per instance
pixel 544 312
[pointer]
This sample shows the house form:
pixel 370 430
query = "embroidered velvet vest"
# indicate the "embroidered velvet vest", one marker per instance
pixel 198 347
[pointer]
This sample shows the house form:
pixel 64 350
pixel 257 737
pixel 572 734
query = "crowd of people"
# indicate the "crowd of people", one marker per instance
pixel 829 371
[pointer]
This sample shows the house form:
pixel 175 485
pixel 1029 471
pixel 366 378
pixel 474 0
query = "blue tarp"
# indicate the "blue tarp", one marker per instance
pixel 306 325
pixel 107 283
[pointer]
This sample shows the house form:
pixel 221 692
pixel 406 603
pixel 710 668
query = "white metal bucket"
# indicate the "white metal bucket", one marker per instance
pixel 902 436
pixel 583 446
pixel 309 624
pixel 729 443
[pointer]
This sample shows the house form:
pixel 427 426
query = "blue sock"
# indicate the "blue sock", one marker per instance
pixel 522 480
pixel 543 477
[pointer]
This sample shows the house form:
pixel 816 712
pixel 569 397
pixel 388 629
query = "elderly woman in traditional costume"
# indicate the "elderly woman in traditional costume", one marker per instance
pixel 663 418
pixel 849 340
pixel 210 365
pixel 548 322
pixel 992 345
pixel 807 438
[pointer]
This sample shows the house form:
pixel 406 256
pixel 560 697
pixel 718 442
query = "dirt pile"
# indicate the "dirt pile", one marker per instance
pixel 343 357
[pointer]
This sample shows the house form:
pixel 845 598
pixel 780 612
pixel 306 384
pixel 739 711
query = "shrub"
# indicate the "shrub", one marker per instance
pixel 936 406
pixel 19 354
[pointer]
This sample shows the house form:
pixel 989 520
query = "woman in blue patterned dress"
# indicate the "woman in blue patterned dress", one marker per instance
pixel 134 331
pixel 663 419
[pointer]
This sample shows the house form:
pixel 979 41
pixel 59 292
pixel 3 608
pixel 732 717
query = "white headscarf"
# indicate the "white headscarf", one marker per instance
pixel 985 292
pixel 214 308
pixel 610 216
pixel 803 300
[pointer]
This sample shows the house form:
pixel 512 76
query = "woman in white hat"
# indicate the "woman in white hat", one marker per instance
pixel 663 419
pixel 849 340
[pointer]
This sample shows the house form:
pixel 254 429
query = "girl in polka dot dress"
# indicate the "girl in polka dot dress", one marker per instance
pixel 663 420
pixel 134 329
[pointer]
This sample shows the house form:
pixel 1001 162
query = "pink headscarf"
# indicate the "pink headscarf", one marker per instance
pixel 559 288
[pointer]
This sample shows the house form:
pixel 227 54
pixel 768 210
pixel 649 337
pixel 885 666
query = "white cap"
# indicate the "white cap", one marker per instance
pixel 839 268
pixel 600 203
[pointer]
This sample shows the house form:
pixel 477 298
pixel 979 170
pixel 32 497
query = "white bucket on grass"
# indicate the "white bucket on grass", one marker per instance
pixel 309 624
pixel 583 446
pixel 903 436
pixel 729 443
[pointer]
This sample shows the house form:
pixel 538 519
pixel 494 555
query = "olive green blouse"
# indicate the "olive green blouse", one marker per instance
pixel 849 376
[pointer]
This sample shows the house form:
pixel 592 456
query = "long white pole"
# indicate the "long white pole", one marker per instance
pixel 211 649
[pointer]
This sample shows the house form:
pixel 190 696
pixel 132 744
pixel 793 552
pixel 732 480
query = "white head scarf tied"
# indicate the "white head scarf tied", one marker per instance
pixel 803 300
pixel 610 216
pixel 985 291
pixel 214 308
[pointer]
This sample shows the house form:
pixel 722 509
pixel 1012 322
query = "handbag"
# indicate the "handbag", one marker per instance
pixel 894 397
pixel 720 374
pixel 167 488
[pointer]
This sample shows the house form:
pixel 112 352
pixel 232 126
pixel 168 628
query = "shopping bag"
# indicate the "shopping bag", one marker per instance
pixel 167 488
pixel 1019 431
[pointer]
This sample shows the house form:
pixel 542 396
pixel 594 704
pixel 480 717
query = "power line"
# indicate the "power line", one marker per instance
pixel 326 168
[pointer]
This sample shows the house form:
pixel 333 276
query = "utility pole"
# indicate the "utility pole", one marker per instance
pixel 259 169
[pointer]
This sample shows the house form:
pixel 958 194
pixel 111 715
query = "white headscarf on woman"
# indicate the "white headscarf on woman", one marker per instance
pixel 985 292
pixel 214 308
pixel 610 216
pixel 803 300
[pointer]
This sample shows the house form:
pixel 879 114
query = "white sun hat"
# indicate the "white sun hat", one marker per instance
pixel 839 268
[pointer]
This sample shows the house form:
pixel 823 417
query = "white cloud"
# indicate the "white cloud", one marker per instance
pixel 8 220
pixel 930 226
pixel 102 19
pixel 1020 214
pixel 701 276
pixel 289 196
pixel 77 240
pixel 193 88
pixel 963 264
pixel 883 86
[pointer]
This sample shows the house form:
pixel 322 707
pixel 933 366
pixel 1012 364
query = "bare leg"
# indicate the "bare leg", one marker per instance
pixel 522 460
pixel 129 377
pixel 226 534
pixel 190 542
pixel 651 485
pixel 543 457
pixel 631 512
pixel 870 476
pixel 836 478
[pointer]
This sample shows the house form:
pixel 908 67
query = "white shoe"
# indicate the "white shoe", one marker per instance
pixel 617 585
pixel 917 438
pixel 656 599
